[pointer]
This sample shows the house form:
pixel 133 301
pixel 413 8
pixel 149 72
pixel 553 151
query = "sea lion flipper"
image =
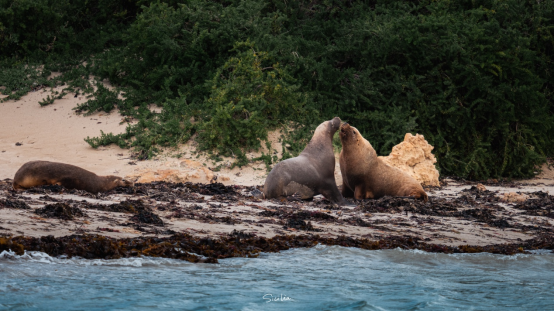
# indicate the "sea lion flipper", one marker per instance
pixel 17 186
pixel 347 191
pixel 332 193
pixel 419 194
pixel 358 192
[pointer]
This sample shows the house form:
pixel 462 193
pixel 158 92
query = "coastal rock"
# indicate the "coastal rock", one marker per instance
pixel 513 197
pixel 481 187
pixel 414 156
pixel 185 170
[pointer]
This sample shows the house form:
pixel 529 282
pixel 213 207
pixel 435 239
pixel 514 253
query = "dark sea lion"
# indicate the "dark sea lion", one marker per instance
pixel 364 175
pixel 36 173
pixel 312 172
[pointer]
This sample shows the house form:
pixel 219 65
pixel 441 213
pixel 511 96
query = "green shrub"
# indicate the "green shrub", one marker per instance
pixel 250 94
pixel 473 76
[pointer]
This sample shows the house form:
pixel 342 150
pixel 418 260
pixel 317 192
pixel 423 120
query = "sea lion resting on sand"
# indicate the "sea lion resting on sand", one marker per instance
pixel 364 175
pixel 312 172
pixel 36 173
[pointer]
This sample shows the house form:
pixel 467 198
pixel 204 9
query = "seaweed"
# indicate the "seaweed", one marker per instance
pixel 126 206
pixel 434 207
pixel 438 207
pixel 541 206
pixel 147 217
pixel 481 195
pixel 211 189
pixel 45 189
pixel 194 249
pixel 300 224
pixel 14 203
pixel 301 214
pixel 60 211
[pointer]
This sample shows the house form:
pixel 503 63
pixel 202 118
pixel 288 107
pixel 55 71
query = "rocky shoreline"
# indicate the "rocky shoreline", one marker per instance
pixel 206 222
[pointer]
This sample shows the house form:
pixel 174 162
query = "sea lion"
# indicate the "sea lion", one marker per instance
pixel 36 173
pixel 312 172
pixel 364 175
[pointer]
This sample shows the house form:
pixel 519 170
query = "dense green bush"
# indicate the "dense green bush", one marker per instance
pixel 473 76
pixel 249 95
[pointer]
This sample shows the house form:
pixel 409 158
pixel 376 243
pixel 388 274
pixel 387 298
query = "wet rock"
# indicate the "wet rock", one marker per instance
pixel 513 197
pixel 480 187
pixel 185 171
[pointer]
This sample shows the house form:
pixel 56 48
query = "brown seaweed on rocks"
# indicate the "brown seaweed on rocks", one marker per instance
pixel 211 189
pixel 147 217
pixel 480 195
pixel 13 203
pixel 126 206
pixel 299 224
pixel 297 219
pixel 195 249
pixel 434 207
pixel 439 207
pixel 60 211
pixel 541 206
pixel 47 189
pixel 299 214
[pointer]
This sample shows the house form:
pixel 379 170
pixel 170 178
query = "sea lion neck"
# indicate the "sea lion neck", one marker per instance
pixel 323 136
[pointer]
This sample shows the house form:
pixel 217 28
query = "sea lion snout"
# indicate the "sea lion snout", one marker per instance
pixel 347 131
pixel 335 124
pixel 127 183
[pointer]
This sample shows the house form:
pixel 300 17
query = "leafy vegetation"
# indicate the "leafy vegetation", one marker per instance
pixel 474 77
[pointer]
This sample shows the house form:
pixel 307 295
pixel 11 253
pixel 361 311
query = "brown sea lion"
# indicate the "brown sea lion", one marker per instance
pixel 312 172
pixel 36 173
pixel 364 175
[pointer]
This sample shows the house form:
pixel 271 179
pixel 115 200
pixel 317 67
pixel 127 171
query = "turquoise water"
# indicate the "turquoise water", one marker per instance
pixel 319 278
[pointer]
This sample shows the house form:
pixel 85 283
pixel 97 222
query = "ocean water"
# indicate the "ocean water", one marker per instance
pixel 319 278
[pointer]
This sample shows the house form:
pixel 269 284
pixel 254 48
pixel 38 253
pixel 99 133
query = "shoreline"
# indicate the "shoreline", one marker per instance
pixel 211 221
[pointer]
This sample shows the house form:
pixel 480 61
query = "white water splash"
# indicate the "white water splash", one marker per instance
pixel 41 257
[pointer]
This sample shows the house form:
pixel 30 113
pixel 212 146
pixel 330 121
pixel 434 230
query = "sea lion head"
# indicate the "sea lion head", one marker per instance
pixel 327 128
pixel 334 125
pixel 126 183
pixel 119 181
pixel 352 140
pixel 348 134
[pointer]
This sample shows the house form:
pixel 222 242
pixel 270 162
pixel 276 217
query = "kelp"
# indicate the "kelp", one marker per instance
pixel 236 244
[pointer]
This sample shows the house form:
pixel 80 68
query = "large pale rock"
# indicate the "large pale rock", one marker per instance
pixel 512 197
pixel 414 157
pixel 186 171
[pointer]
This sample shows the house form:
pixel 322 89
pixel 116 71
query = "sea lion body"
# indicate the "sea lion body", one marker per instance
pixel 364 175
pixel 36 173
pixel 312 172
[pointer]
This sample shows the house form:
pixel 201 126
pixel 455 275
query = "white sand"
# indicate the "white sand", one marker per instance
pixel 56 133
